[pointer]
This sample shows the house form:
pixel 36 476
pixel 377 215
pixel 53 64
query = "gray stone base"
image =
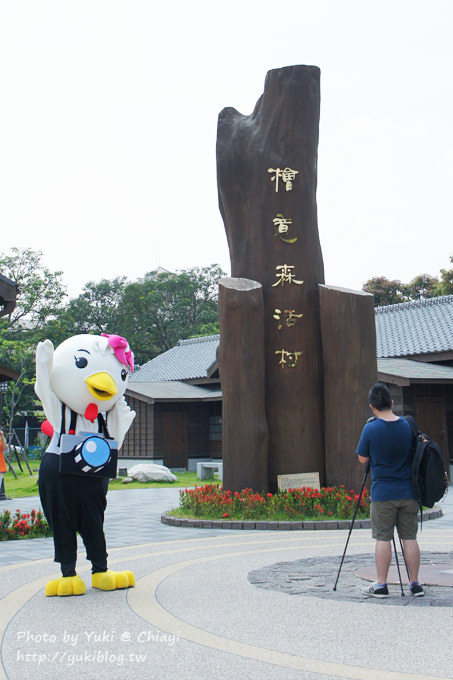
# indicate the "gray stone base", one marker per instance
pixel 322 525
pixel 315 577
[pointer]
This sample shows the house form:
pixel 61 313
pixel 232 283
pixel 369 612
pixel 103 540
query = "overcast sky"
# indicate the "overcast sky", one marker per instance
pixel 108 124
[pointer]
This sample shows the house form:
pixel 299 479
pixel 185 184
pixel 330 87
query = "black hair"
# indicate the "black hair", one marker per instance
pixel 379 396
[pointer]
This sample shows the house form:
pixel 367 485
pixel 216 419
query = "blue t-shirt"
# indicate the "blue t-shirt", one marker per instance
pixel 389 445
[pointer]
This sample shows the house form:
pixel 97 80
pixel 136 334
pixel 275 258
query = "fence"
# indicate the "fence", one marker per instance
pixel 34 442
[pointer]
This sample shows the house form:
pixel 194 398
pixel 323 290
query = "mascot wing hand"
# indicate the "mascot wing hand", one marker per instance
pixel 44 354
pixel 120 418
pixel 44 362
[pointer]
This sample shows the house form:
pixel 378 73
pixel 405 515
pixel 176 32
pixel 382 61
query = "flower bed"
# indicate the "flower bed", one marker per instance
pixel 213 502
pixel 26 525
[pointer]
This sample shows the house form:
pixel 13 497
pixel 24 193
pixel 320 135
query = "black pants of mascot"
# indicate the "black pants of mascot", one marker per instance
pixel 71 504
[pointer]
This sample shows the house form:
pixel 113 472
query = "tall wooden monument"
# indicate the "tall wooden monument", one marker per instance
pixel 296 356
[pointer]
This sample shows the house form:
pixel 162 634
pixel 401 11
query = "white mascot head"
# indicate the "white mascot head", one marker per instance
pixel 90 372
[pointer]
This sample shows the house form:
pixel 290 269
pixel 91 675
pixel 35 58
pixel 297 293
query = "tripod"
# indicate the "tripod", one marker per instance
pixel 367 469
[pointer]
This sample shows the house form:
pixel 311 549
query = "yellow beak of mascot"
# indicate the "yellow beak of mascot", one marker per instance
pixel 81 385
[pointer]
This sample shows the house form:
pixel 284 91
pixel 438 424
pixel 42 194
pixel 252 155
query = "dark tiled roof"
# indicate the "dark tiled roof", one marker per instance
pixel 405 330
pixel 175 390
pixel 9 291
pixel 415 371
pixel 415 328
pixel 188 360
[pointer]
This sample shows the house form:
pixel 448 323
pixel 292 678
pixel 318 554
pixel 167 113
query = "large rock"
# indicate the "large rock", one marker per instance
pixel 150 472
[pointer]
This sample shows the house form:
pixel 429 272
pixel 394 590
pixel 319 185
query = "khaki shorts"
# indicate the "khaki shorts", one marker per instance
pixel 386 515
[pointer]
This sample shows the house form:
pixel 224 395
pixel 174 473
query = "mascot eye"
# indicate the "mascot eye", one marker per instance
pixel 123 374
pixel 81 362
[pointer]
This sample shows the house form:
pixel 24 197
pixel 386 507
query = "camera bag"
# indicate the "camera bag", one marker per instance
pixel 87 453
pixel 429 476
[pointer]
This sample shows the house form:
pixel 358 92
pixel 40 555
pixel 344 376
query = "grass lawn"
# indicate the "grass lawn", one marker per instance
pixel 27 485
pixel 184 479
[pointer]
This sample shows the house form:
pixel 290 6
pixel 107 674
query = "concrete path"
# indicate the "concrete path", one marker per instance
pixel 194 614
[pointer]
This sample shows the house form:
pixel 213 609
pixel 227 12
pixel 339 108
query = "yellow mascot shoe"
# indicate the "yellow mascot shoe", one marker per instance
pixel 65 586
pixel 104 580
pixel 131 578
pixel 113 580
pixel 124 579
pixel 52 587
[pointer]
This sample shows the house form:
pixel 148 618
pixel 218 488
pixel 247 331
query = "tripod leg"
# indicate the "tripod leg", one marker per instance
pixel 344 552
pixel 398 566
pixel 352 521
pixel 404 558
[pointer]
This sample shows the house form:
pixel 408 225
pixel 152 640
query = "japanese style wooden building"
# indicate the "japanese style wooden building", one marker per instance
pixel 178 399
pixel 415 358
pixel 8 294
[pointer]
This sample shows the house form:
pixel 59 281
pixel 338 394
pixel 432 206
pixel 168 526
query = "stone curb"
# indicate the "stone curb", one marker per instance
pixel 260 525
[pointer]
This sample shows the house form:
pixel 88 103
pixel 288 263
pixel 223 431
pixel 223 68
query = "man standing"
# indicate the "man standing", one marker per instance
pixel 387 441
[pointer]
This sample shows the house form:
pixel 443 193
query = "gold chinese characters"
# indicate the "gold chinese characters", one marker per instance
pixel 285 273
pixel 287 176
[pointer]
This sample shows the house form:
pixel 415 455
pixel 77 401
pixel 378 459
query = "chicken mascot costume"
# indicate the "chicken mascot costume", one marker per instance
pixel 81 385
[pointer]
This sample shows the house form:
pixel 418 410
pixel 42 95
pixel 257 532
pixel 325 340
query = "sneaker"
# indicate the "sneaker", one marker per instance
pixel 377 590
pixel 416 589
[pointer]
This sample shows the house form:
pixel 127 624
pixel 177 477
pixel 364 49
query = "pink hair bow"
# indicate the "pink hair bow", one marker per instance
pixel 121 349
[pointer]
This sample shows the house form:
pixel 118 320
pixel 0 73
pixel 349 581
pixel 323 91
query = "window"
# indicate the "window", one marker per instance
pixel 215 428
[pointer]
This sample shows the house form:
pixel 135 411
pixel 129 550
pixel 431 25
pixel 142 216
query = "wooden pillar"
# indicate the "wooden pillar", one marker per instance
pixel 267 176
pixel 242 368
pixel 350 369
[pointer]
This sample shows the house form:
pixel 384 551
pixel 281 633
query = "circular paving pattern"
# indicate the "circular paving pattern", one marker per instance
pixel 316 577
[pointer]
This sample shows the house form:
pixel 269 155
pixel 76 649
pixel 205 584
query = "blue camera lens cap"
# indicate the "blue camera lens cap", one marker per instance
pixel 95 451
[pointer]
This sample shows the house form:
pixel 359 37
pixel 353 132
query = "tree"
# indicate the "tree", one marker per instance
pixel 41 291
pixel 39 301
pixel 99 308
pixel 385 292
pixel 445 285
pixel 165 307
pixel 19 355
pixel 152 313
pixel 422 286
